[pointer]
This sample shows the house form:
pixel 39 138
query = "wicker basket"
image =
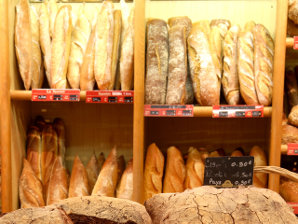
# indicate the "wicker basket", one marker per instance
pixel 277 170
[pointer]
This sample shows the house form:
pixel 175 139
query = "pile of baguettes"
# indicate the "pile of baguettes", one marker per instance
pixel 44 179
pixel 180 175
pixel 197 59
pixel 97 49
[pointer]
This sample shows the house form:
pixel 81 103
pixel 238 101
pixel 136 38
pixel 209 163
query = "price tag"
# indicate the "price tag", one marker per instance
pixel 228 171
pixel 238 111
pixel 295 46
pixel 109 96
pixel 294 206
pixel 63 95
pixel 292 149
pixel 168 110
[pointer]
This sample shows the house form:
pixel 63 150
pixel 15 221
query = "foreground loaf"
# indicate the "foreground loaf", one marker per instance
pixel 221 206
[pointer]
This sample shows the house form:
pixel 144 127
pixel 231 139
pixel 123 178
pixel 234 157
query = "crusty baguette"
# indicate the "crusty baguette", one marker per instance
pixel 78 185
pixel 34 150
pixel 194 169
pixel 291 87
pixel 153 171
pixel 61 47
pixel 104 36
pixel 127 48
pixel 45 39
pixel 181 21
pixel 30 188
pixel 263 64
pixel 92 170
pixel 259 179
pixel 230 80
pixel 58 183
pixel 59 127
pixel 215 45
pixel 79 41
pixel 101 160
pixel 107 179
pixel 175 171
pixel 223 25
pixel 125 187
pixel 23 42
pixel 53 10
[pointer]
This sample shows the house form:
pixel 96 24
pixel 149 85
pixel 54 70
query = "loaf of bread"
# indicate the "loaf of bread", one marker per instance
pixel 59 127
pixel 107 179
pixel 101 160
pixel 194 169
pixel 289 134
pixel 206 83
pixel 79 41
pixel 37 78
pixel 34 150
pixel 120 167
pixel 78 185
pixel 153 171
pixel 246 65
pixel 125 187
pixel 289 191
pixel 175 171
pixel 236 153
pixel 291 86
pixel 61 42
pixel 58 183
pixel 92 171
pixel 23 42
pixel 293 11
pixel 293 116
pixel 104 37
pixel 263 64
pixel 292 28
pixel 223 25
pixel 215 45
pixel 259 179
pixel 30 188
pixel 181 21
pixel 157 56
pixel 45 39
pixel 230 80
pixel 52 10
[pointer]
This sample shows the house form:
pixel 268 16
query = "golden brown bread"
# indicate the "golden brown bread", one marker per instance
pixel 53 10
pixel 215 46
pixel 291 86
pixel 293 116
pixel 194 169
pixel 289 134
pixel 125 187
pixel 23 42
pixel 30 188
pixel 59 127
pixel 293 11
pixel 175 171
pixel 289 191
pixel 153 171
pixel 259 179
pixel 61 47
pixel 107 179
pixel 236 153
pixel 101 160
pixel 181 21
pixel 92 171
pixel 223 25
pixel 78 185
pixel 58 183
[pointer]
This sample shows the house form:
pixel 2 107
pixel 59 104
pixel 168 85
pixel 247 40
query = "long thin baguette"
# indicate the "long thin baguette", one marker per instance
pixel 53 10
pixel 125 187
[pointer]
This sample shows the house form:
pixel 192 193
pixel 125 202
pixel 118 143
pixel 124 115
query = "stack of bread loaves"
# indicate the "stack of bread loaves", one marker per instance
pixel 45 180
pixel 93 49
pixel 218 54
pixel 180 175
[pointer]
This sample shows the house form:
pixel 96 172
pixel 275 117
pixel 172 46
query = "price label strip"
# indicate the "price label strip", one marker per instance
pixel 228 171
pixel 238 111
pixel 295 46
pixel 109 96
pixel 168 110
pixel 292 149
pixel 294 205
pixel 60 95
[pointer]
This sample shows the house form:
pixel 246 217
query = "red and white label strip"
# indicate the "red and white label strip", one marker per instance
pixel 109 96
pixel 294 206
pixel 295 46
pixel 292 149
pixel 168 110
pixel 63 95
pixel 237 111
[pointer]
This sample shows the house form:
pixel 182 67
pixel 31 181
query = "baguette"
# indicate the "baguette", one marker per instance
pixel 153 171
pixel 215 45
pixel 104 36
pixel 291 87
pixel 230 80
pixel 125 187
pixel 30 188
pixel 80 37
pixel 107 178
pixel 78 185
pixel 53 10
pixel 58 183
pixel 127 48
pixel 259 179
pixel 263 64
pixel 92 171
pixel 194 169
pixel 156 62
pixel 23 42
pixel 181 21
pixel 223 25
pixel 175 171
pixel 59 127
pixel 61 47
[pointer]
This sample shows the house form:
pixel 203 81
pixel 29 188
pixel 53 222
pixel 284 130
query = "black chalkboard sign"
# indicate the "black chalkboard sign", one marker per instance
pixel 229 171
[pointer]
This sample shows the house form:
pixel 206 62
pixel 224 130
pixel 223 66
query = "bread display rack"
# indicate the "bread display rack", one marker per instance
pixel 98 127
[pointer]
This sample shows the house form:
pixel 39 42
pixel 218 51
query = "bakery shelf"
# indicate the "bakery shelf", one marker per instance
pixel 290 42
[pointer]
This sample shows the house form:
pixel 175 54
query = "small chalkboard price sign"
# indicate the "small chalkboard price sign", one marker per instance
pixel 229 171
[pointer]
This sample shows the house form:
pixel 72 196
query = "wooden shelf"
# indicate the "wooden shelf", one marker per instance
pixel 290 42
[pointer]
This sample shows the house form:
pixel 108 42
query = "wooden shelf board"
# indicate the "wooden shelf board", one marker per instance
pixel 290 42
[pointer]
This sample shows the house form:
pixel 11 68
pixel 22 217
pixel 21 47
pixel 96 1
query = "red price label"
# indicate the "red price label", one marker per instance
pixel 168 110
pixel 109 96
pixel 294 206
pixel 238 111
pixel 63 95
pixel 295 46
pixel 292 149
